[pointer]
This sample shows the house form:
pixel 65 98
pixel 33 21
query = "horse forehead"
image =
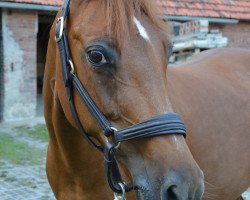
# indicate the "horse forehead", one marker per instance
pixel 142 30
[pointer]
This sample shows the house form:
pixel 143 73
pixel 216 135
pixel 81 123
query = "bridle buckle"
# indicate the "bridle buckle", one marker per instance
pixel 60 22
pixel 71 66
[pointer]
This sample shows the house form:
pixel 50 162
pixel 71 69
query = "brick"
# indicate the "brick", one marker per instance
pixel 20 40
pixel 238 34
pixel 236 9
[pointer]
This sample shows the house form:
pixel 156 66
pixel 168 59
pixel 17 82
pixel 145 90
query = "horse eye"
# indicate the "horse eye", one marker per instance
pixel 96 57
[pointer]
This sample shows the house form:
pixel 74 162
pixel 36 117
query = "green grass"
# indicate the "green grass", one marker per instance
pixel 18 152
pixel 27 182
pixel 38 132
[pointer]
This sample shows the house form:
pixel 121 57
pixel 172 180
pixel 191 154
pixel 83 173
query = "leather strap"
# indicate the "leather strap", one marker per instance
pixel 159 125
pixel 77 120
pixel 112 171
pixel 93 109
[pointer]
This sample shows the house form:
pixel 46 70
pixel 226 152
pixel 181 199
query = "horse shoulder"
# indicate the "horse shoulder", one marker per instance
pixel 211 92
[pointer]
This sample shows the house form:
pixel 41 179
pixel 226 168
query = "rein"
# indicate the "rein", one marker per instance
pixel 164 124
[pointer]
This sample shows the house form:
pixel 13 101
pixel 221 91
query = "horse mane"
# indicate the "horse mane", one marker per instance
pixel 120 15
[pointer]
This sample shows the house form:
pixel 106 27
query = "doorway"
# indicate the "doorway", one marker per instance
pixel 45 21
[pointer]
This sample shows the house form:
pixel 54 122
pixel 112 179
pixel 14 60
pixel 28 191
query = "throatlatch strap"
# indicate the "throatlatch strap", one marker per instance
pixel 77 120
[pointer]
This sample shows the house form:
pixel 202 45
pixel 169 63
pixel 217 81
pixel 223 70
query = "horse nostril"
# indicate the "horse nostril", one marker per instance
pixel 180 186
pixel 181 192
pixel 171 193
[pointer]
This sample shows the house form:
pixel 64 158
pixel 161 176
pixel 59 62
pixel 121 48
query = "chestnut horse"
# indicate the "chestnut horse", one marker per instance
pixel 119 52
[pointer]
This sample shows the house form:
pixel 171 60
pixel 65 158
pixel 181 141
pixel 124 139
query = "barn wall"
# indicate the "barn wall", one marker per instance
pixel 19 52
pixel 238 34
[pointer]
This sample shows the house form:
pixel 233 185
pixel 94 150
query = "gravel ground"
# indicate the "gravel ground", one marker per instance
pixel 29 182
pixel 26 181
pixel 23 182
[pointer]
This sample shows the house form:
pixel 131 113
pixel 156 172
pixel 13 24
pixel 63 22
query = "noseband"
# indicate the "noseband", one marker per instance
pixel 165 124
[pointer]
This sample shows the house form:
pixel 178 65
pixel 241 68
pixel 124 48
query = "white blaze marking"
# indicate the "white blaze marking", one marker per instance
pixel 141 29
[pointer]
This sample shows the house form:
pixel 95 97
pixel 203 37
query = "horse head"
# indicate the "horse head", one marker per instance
pixel 119 51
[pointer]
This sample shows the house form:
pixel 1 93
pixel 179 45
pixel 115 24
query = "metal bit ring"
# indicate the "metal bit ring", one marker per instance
pixel 121 196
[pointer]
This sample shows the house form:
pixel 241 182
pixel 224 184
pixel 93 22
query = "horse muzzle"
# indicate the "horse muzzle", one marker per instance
pixel 173 188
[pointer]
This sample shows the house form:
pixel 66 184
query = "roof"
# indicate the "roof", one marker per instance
pixel 39 2
pixel 232 9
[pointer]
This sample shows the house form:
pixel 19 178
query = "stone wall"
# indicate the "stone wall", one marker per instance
pixel 238 34
pixel 19 33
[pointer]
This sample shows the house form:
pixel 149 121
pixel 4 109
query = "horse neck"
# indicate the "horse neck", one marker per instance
pixel 69 140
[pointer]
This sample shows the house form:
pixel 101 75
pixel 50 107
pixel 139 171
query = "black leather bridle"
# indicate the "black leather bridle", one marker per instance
pixel 164 124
